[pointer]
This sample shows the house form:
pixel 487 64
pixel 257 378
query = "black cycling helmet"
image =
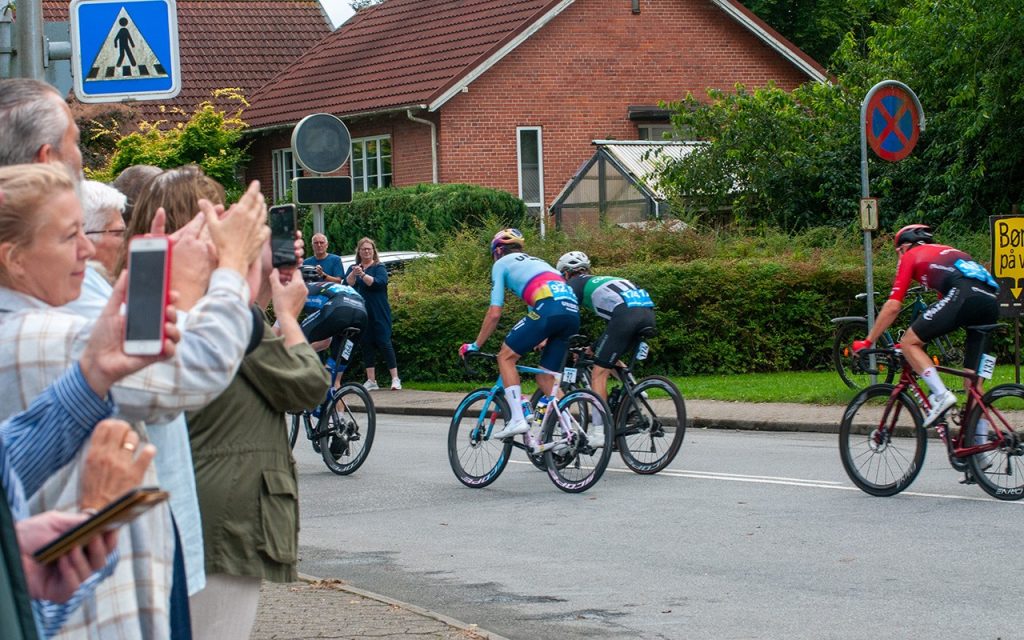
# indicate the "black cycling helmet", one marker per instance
pixel 913 233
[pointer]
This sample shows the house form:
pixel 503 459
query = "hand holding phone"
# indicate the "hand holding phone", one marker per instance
pixel 124 509
pixel 149 268
pixel 283 223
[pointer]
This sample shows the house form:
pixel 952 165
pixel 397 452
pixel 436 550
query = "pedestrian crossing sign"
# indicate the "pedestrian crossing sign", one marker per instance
pixel 125 50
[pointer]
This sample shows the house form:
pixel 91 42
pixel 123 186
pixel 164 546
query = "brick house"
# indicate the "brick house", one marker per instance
pixel 509 94
pixel 225 43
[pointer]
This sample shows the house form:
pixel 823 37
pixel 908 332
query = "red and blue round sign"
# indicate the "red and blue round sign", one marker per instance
pixel 893 123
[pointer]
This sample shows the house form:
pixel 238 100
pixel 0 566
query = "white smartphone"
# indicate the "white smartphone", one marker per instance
pixel 149 269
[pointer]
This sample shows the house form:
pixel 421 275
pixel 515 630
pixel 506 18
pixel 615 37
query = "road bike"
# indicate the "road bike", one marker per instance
pixel 649 414
pixel 944 350
pixel 882 438
pixel 341 429
pixel 572 462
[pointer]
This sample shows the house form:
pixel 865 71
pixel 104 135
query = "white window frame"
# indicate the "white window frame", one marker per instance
pixel 378 170
pixel 657 129
pixel 539 205
pixel 282 175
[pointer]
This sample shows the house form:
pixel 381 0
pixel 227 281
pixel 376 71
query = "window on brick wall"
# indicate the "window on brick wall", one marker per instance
pixel 285 167
pixel 371 163
pixel 655 132
pixel 530 156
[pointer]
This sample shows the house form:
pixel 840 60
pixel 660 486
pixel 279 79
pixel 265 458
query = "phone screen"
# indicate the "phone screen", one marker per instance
pixel 146 295
pixel 282 234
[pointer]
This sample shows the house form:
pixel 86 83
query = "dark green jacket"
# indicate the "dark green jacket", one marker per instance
pixel 245 473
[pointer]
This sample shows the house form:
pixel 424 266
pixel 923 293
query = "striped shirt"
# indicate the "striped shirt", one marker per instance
pixel 37 343
pixel 36 443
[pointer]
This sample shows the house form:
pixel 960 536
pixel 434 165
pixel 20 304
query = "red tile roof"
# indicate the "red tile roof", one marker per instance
pixel 396 54
pixel 410 53
pixel 230 43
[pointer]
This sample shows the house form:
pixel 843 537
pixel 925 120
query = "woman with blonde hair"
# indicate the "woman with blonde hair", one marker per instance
pixel 370 278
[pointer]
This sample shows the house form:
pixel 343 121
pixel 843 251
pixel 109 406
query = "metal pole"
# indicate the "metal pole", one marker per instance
pixel 318 218
pixel 865 192
pixel 6 45
pixel 29 29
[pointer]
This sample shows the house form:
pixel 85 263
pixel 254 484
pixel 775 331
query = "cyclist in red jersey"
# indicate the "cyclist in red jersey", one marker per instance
pixel 967 296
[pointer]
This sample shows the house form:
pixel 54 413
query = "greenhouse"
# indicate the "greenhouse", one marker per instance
pixel 618 185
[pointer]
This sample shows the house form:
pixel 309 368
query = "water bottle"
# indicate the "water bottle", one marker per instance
pixel 526 410
pixel 542 406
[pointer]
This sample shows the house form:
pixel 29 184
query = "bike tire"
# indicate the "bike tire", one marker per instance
pixel 882 440
pixel 846 365
pixel 293 430
pixel 649 441
pixel 1000 472
pixel 580 466
pixel 476 460
pixel 351 425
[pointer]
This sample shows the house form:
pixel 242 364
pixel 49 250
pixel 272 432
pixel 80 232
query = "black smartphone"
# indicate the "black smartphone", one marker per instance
pixel 149 268
pixel 124 509
pixel 283 222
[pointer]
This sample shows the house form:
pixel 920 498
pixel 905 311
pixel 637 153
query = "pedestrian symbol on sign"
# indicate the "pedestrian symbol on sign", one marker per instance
pixel 125 43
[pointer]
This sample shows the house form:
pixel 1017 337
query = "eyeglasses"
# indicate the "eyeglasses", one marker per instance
pixel 115 232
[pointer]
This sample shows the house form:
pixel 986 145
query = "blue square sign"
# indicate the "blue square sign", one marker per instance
pixel 125 50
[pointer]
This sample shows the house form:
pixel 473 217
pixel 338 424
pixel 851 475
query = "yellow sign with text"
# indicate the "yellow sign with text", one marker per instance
pixel 1008 252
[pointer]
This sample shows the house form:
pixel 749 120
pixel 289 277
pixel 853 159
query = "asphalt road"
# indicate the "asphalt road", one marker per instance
pixel 746 535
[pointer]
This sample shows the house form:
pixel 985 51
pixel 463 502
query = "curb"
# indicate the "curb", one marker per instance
pixel 692 423
pixel 440 617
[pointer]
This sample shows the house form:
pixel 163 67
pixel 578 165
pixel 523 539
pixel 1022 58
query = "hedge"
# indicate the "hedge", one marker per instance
pixel 420 217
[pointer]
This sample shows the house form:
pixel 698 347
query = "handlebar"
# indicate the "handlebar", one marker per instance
pixel 884 354
pixel 472 355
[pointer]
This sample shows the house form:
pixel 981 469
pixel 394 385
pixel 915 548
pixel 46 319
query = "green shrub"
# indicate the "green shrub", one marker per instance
pixel 420 217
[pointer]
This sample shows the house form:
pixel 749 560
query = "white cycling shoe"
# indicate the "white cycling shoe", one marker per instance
pixel 939 405
pixel 513 428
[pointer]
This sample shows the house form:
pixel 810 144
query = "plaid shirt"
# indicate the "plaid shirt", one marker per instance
pixel 37 343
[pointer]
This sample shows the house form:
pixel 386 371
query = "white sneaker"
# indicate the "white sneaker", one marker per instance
pixel 513 428
pixel 595 437
pixel 939 405
pixel 396 384
pixel 370 385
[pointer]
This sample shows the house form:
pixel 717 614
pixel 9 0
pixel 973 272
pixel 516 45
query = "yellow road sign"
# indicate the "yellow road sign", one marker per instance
pixel 1008 252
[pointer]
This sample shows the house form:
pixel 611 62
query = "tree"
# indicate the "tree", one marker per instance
pixel 211 138
pixel 359 5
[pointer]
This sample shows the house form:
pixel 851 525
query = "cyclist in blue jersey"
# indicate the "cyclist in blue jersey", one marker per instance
pixel 332 308
pixel 553 316
pixel 627 309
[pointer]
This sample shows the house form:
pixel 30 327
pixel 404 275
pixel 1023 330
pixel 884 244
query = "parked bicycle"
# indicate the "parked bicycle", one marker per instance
pixel 882 438
pixel 572 462
pixel 944 350
pixel 341 429
pixel 649 414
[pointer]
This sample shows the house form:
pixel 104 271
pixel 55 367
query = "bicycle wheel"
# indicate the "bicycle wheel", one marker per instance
pixel 650 425
pixel 476 460
pixel 347 435
pixel 882 441
pixel 293 430
pixel 847 366
pixel 1000 472
pixel 573 465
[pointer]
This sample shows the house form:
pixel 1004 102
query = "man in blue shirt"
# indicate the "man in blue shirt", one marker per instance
pixel 328 266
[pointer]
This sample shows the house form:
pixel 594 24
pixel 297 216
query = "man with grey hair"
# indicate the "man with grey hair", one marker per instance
pixel 102 208
pixel 37 125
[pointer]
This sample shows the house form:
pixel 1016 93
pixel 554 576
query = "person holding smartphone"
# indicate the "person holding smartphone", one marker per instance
pixel 328 265
pixel 245 472
pixel 369 277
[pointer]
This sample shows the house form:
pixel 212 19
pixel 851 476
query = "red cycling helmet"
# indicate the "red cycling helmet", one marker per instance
pixel 913 233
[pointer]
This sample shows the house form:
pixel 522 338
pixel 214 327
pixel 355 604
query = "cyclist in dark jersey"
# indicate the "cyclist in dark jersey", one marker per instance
pixel 626 308
pixel 331 309
pixel 553 316
pixel 967 296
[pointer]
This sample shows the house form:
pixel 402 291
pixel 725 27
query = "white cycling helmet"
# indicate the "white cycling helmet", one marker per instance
pixel 573 261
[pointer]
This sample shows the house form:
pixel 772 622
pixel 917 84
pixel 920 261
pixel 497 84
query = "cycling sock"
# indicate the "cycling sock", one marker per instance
pixel 934 382
pixel 514 395
pixel 981 431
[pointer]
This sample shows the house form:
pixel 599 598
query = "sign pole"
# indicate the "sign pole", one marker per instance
pixel 891 119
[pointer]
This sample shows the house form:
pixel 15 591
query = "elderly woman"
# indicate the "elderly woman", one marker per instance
pixel 101 211
pixel 43 253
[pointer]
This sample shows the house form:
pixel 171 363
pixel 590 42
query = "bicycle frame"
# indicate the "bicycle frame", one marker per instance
pixel 955 445
pixel 489 416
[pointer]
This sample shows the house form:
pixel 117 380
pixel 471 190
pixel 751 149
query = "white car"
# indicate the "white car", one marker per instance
pixel 392 260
